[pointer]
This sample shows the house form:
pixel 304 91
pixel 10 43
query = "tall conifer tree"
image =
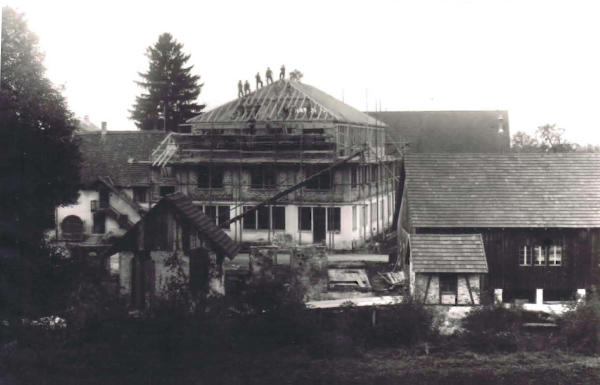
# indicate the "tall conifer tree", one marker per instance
pixel 171 89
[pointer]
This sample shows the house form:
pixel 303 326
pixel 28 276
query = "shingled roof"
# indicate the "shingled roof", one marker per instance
pixel 448 131
pixel 503 190
pixel 205 225
pixel 447 253
pixel 114 154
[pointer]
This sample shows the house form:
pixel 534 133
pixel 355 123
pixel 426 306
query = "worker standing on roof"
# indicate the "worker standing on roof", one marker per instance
pixel 269 76
pixel 240 89
pixel 246 88
pixel 282 72
pixel 258 81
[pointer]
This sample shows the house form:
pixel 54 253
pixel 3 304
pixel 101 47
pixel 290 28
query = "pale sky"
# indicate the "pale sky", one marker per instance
pixel 540 60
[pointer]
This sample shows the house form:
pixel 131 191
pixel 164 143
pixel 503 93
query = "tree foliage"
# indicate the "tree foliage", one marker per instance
pixel 39 156
pixel 548 138
pixel 171 89
pixel 39 161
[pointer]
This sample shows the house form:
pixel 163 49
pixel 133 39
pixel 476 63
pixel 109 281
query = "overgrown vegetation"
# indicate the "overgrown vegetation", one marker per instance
pixel 173 342
pixel 580 328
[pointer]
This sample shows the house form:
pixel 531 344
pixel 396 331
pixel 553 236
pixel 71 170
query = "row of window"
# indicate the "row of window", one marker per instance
pixel 308 215
pixel 259 219
pixel 538 255
pixel 363 210
pixel 261 177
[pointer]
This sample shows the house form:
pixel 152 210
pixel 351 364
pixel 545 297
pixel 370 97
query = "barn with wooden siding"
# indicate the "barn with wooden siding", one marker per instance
pixel 538 216
pixel 174 238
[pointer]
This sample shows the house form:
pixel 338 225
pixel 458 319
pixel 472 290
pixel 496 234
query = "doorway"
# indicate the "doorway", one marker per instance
pixel 318 224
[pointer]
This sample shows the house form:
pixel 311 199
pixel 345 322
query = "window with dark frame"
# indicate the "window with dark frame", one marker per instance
pixel 224 216
pixel 263 218
pixel 166 190
pixel 262 177
pixel 104 198
pixel 321 182
pixel 278 218
pixel 99 226
pixel 203 177
pixel 140 194
pixel 353 176
pixel 211 212
pixel 448 284
pixel 209 177
pixel 333 219
pixel 249 219
pixel 216 177
pixel 305 218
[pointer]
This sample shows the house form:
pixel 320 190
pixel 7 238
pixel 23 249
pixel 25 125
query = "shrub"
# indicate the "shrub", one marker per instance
pixel 580 327
pixel 490 329
pixel 407 323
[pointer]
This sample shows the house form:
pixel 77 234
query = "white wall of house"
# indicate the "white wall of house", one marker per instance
pixel 82 209
pixel 353 230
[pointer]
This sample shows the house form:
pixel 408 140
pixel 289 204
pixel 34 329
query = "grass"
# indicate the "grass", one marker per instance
pixel 291 365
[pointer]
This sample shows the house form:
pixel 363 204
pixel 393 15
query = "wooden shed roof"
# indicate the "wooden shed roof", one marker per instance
pixel 541 190
pixel 447 253
pixel 205 225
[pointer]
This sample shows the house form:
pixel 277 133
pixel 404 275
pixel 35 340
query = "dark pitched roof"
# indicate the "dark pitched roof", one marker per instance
pixel 111 155
pixel 447 253
pixel 448 131
pixel 503 190
pixel 217 237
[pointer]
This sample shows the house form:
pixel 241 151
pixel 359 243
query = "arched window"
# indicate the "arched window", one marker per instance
pixel 72 227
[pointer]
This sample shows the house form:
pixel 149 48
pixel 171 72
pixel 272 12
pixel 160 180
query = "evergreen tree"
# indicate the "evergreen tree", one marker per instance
pixel 171 89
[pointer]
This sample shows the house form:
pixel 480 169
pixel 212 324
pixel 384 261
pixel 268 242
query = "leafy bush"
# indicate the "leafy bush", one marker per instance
pixel 407 323
pixel 490 329
pixel 580 327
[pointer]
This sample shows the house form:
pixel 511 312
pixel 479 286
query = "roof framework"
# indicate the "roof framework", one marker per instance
pixel 285 100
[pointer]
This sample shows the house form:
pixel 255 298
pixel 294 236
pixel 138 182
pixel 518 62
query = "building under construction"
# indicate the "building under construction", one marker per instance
pixel 316 168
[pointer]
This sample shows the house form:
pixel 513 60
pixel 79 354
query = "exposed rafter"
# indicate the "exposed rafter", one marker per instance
pixel 285 100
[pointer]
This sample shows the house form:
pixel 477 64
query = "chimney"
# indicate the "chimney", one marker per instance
pixel 103 131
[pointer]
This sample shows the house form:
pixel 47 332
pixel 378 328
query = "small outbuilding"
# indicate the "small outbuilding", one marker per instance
pixel 447 269
pixel 175 240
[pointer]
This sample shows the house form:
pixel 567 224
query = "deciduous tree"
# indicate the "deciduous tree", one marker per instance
pixel 39 155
